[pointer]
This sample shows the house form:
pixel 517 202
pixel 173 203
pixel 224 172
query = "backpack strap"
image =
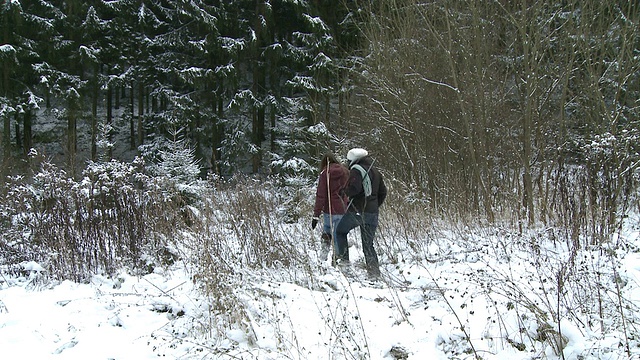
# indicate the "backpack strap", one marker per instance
pixel 366 180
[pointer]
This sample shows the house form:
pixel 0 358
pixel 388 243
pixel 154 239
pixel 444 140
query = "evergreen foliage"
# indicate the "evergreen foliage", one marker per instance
pixel 213 68
pixel 486 107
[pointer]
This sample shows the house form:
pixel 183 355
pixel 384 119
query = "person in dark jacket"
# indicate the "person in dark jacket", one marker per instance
pixel 362 209
pixel 331 200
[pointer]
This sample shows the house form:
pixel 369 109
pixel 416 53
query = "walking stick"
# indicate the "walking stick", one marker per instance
pixel 331 237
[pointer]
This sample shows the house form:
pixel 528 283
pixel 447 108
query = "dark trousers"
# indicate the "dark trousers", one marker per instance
pixel 368 223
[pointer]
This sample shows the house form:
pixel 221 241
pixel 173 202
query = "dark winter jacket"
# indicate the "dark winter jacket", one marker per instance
pixel 355 191
pixel 338 177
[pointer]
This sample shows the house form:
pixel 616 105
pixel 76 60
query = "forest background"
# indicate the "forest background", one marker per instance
pixel 117 115
pixel 481 108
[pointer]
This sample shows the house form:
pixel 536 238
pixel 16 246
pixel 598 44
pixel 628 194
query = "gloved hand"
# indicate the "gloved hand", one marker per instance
pixel 314 222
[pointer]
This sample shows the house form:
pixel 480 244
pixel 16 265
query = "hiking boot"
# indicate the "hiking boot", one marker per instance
pixel 344 266
pixel 324 251
pixel 373 274
pixel 325 247
pixel 343 262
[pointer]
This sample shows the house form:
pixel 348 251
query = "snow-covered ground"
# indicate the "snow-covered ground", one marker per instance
pixel 492 292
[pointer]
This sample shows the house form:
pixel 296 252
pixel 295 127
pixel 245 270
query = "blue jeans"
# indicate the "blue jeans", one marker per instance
pixel 368 223
pixel 329 221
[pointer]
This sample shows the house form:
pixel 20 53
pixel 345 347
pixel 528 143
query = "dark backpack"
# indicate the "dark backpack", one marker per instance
pixel 366 180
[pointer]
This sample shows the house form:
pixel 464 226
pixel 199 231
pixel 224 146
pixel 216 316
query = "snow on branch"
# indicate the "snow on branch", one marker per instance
pixel 232 45
pixel 7 52
pixel 427 80
pixel 243 97
pixel 224 70
pixel 6 110
pixel 305 83
pixel 193 73
pixel 316 23
pixel 89 53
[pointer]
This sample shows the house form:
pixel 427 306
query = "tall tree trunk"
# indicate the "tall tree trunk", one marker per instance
pixel 255 140
pixel 218 131
pixel 140 113
pixel 6 140
pixel 154 104
pixel 18 137
pixel 132 128
pixel 272 136
pixel 72 134
pixel 27 131
pixel 258 87
pixel 481 61
pixel 109 122
pixel 94 113
pixel 530 84
pixel 474 163
pixel 6 129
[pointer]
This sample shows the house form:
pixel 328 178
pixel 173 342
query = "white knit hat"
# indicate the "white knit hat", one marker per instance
pixel 356 154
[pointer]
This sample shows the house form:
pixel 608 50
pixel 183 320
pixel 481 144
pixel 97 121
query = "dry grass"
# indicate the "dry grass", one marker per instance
pixel 234 234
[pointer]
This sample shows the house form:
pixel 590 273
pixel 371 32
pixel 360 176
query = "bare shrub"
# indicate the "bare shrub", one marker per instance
pixel 114 216
pixel 244 225
pixel 405 221
pixel 245 233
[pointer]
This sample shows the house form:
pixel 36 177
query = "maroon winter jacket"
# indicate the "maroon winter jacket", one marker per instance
pixel 338 178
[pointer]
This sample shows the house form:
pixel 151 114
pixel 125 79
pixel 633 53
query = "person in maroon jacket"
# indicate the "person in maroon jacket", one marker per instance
pixel 331 200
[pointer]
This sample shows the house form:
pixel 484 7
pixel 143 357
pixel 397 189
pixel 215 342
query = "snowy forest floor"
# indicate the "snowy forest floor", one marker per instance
pixel 463 294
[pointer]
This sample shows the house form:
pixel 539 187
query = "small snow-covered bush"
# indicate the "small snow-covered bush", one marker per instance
pixel 113 216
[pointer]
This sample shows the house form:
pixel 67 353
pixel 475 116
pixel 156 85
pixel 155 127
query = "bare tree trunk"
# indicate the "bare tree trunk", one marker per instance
pixel 6 129
pixel 474 163
pixel 18 135
pixel 27 131
pixel 529 85
pixel 218 131
pixel 258 86
pixel 72 134
pixel 140 113
pixel 94 113
pixel 6 139
pixel 109 121
pixel 272 136
pixel 132 128
pixel 479 100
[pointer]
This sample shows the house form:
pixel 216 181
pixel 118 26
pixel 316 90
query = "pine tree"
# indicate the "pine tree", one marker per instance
pixel 176 159
pixel 25 27
pixel 311 90
pixel 94 32
pixel 190 62
pixel 188 54
pixel 11 18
